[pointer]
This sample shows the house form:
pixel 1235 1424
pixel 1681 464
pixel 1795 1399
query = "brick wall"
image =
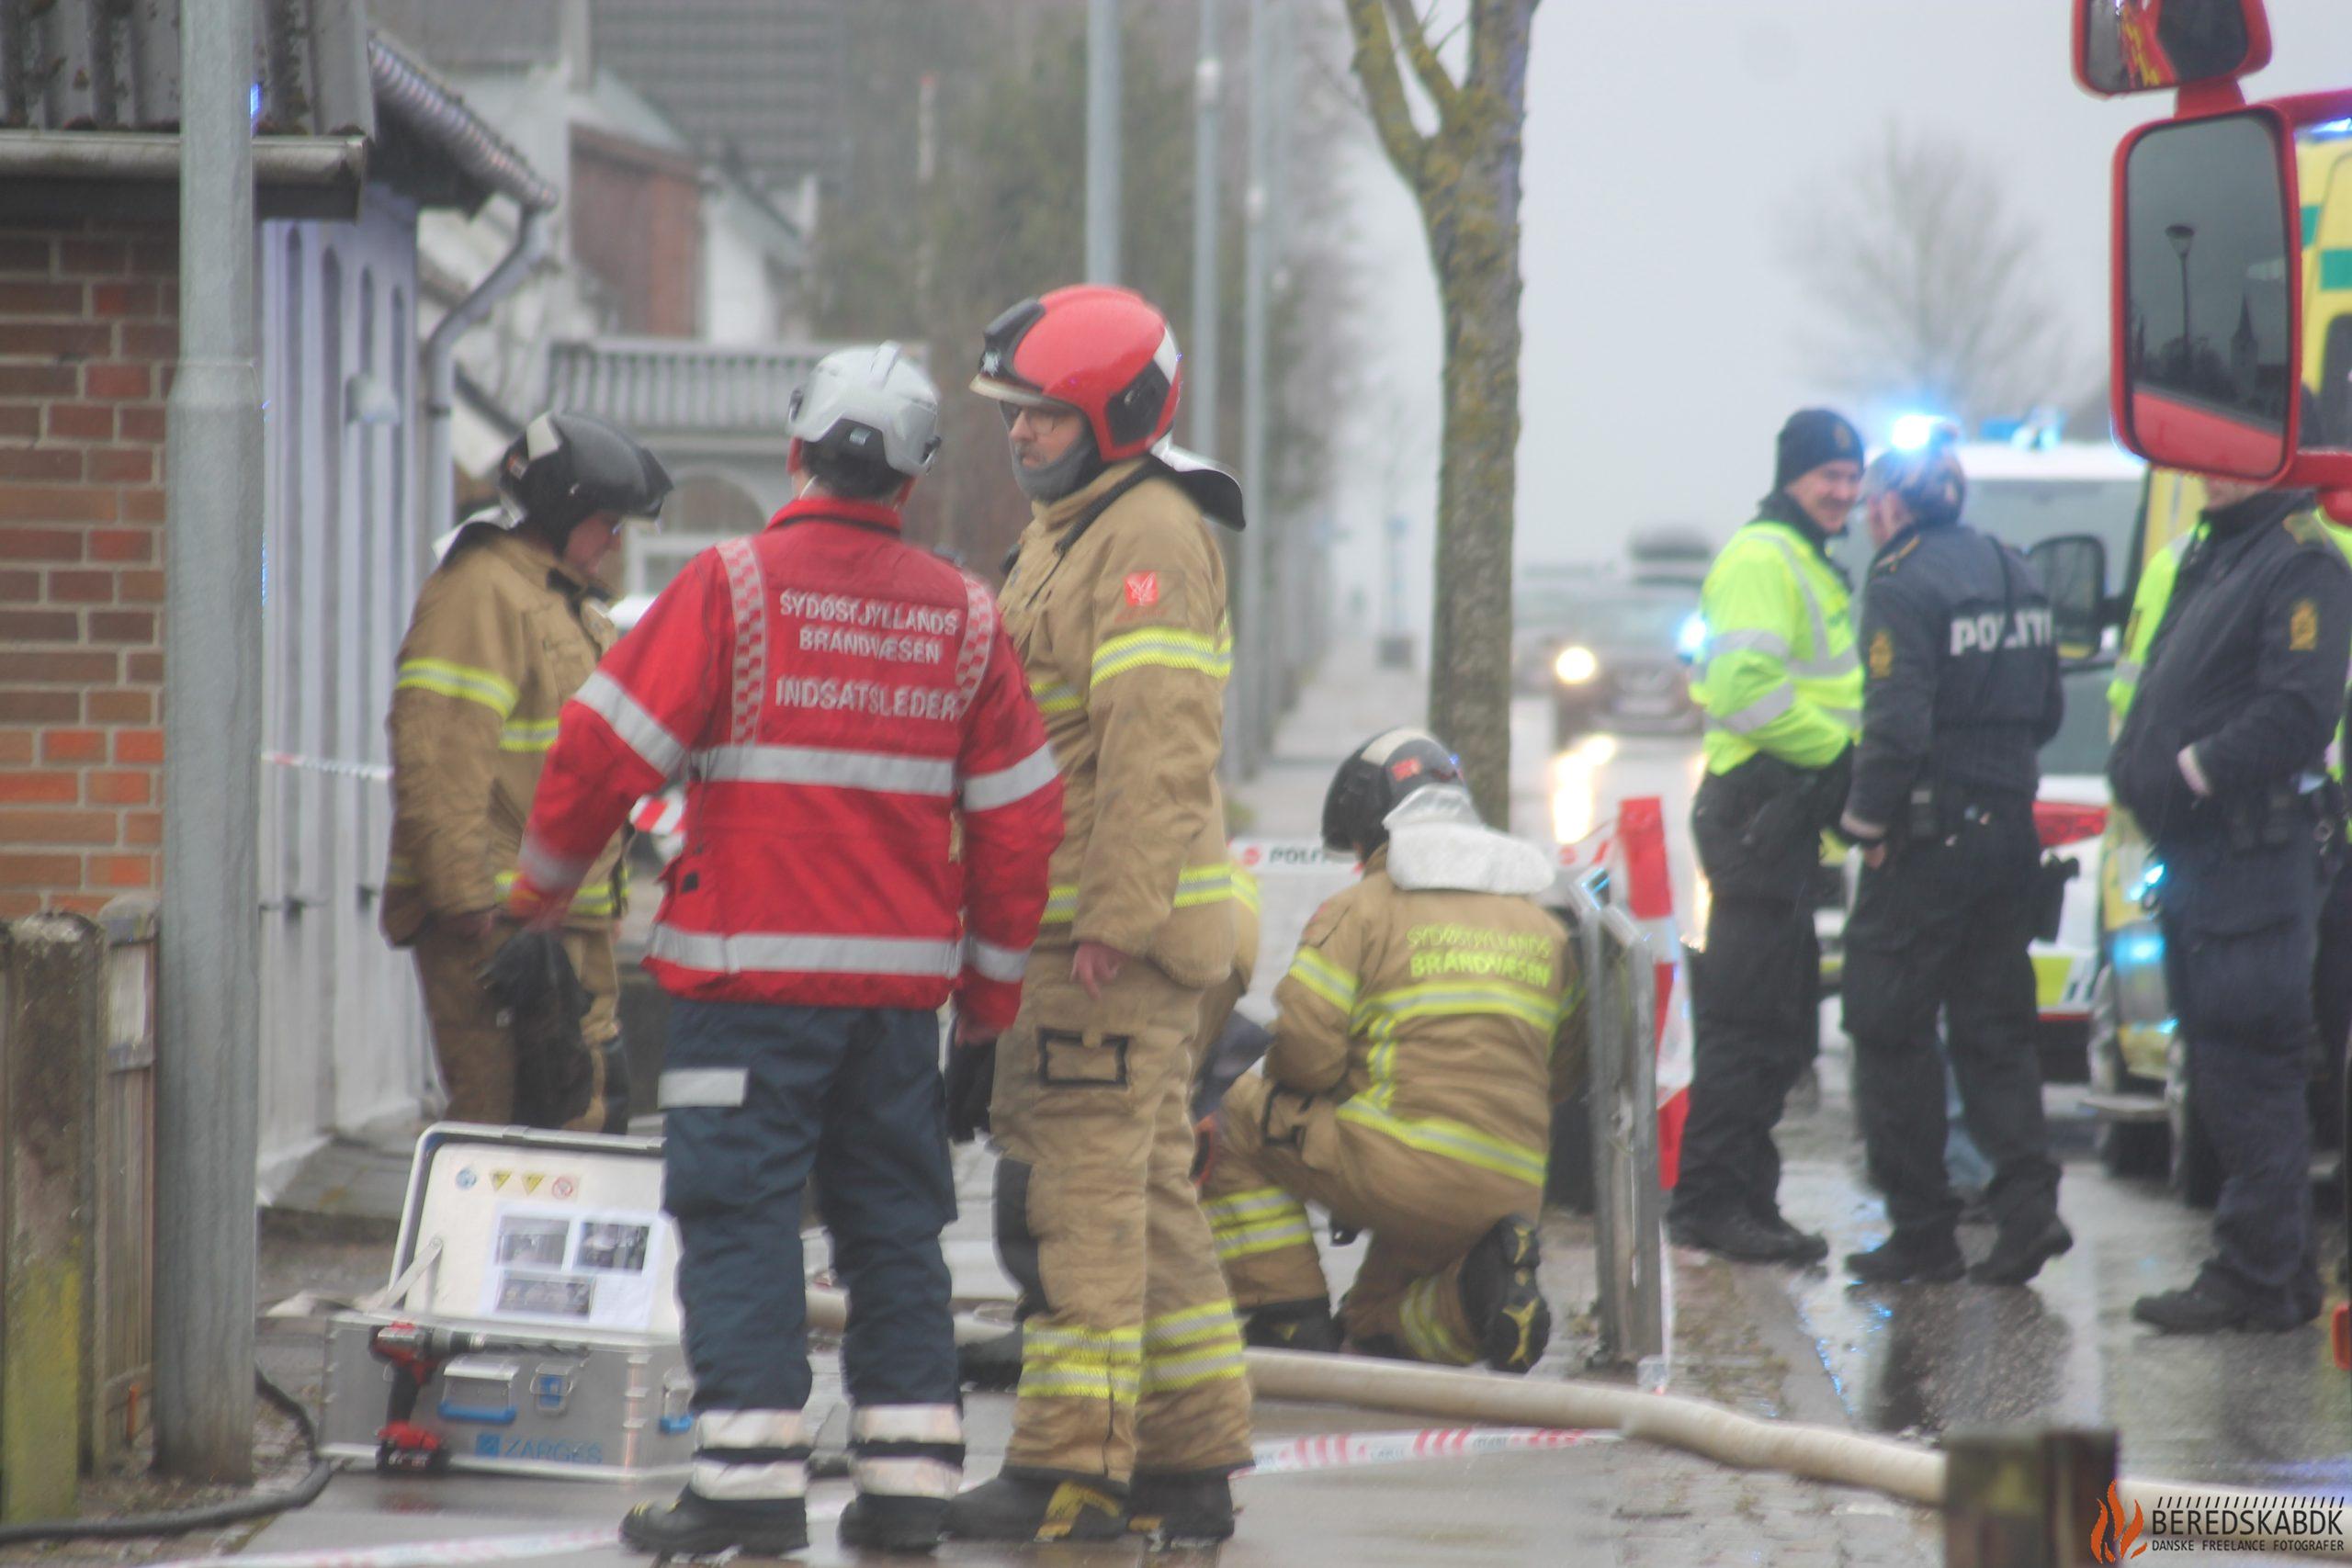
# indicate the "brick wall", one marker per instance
pixel 88 333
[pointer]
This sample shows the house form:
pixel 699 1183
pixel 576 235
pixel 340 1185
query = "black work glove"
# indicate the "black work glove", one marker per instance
pixel 541 1002
pixel 1232 1053
pixel 971 1081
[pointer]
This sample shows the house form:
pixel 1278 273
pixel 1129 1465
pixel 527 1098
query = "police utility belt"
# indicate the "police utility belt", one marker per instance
pixel 1941 811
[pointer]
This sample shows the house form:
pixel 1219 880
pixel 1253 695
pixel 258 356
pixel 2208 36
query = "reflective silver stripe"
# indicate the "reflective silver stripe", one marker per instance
pixel 723 1483
pixel 741 560
pixel 747 1429
pixel 715 1088
pixel 550 870
pixel 906 1424
pixel 996 963
pixel 772 952
pixel 906 1477
pixel 884 771
pixel 1869 833
pixel 1812 602
pixel 2126 672
pixel 1759 713
pixel 1835 667
pixel 639 730
pixel 1752 641
pixel 1850 718
pixel 986 792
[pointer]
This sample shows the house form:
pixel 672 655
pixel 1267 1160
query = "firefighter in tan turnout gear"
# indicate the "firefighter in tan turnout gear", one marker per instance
pixel 506 630
pixel 1417 1055
pixel 1133 1405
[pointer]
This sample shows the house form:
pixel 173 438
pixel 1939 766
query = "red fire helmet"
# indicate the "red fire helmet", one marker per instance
pixel 1106 351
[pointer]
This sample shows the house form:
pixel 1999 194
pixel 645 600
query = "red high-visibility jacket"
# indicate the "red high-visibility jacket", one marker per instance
pixel 839 701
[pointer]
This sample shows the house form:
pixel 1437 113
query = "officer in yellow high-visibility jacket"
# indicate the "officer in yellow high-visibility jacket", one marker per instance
pixel 1782 692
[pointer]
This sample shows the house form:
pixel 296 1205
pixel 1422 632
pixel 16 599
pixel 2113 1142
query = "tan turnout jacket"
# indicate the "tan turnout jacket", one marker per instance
pixel 1435 1014
pixel 502 635
pixel 1123 630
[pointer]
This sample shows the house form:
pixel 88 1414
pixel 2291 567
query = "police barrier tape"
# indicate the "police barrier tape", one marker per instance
pixel 1299 1456
pixel 660 813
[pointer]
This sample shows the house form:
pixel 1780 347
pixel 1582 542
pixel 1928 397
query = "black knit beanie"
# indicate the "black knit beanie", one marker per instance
pixel 1811 437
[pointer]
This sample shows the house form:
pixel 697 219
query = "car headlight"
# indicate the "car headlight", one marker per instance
pixel 1576 665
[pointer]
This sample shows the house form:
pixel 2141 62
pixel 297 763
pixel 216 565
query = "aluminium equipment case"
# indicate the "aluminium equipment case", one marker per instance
pixel 552 1247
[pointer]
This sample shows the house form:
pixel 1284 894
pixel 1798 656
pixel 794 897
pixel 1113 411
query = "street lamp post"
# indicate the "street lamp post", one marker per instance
pixel 2184 235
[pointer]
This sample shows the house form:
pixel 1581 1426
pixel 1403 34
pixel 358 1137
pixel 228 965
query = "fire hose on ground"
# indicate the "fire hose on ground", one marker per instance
pixel 1900 1469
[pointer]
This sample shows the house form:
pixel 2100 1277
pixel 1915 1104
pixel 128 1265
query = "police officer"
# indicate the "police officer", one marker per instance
pixel 1961 690
pixel 1782 694
pixel 2220 760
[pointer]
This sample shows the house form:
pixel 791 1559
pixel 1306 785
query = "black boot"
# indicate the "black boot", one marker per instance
pixel 2212 1305
pixel 1803 1246
pixel 883 1523
pixel 695 1526
pixel 1905 1257
pixel 1502 1298
pixel 1182 1509
pixel 993 1365
pixel 1292 1326
pixel 1038 1508
pixel 1737 1235
pixel 2023 1245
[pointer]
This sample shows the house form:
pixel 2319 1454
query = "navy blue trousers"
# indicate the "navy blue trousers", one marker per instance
pixel 756 1098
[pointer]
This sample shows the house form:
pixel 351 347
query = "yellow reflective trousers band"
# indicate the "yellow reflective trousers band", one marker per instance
pixel 1262 1219
pixel 464 682
pixel 1081 1363
pixel 1184 1349
pixel 1426 1334
pixel 1166 648
pixel 529 735
pixel 1325 980
pixel 1449 1139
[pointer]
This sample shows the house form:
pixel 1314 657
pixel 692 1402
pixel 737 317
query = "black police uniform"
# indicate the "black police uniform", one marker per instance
pixel 2248 669
pixel 1961 690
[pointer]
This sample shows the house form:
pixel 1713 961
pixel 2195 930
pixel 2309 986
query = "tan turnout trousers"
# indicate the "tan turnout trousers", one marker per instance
pixel 475 1051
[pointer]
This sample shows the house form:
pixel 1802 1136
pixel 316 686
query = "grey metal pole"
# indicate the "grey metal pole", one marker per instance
pixel 207 1066
pixel 1251 680
pixel 1208 115
pixel 1102 104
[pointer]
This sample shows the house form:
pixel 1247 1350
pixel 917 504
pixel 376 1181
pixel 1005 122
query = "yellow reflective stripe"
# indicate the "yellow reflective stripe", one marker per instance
pixel 1169 1377
pixel 1249 1241
pixel 595 898
pixel 1245 887
pixel 1166 648
pixel 1241 1206
pixel 1198 884
pixel 1448 1139
pixel 1081 1363
pixel 1325 978
pixel 529 734
pixel 1125 1343
pixel 1061 904
pixel 398 873
pixel 1052 697
pixel 1182 1326
pixel 1073 1385
pixel 1426 1334
pixel 460 681
pixel 1438 998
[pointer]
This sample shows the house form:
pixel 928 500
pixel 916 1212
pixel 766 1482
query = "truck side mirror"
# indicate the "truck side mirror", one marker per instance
pixel 2142 46
pixel 2073 569
pixel 2207 324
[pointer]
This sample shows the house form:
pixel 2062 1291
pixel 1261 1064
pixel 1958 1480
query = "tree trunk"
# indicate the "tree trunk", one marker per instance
pixel 1469 195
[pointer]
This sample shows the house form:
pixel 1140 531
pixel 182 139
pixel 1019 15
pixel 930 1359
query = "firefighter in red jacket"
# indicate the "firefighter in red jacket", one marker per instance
pixel 839 702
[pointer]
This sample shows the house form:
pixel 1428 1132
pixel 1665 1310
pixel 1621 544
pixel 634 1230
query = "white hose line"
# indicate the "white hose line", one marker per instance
pixel 1819 1454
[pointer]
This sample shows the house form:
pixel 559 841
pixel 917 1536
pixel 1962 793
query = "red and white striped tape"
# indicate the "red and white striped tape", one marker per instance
pixel 1299 1456
pixel 1649 883
pixel 376 773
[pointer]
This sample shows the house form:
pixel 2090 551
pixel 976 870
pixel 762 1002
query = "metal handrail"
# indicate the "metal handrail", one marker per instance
pixel 1621 1057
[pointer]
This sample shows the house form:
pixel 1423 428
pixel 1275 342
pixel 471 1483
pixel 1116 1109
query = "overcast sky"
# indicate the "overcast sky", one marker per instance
pixel 1663 343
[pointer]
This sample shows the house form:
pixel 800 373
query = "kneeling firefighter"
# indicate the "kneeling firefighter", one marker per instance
pixel 1417 1054
pixel 508 629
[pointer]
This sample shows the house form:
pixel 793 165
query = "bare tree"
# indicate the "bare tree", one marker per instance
pixel 1465 172
pixel 1927 286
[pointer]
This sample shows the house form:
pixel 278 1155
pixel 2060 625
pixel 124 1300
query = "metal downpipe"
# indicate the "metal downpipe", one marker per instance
pixel 441 366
